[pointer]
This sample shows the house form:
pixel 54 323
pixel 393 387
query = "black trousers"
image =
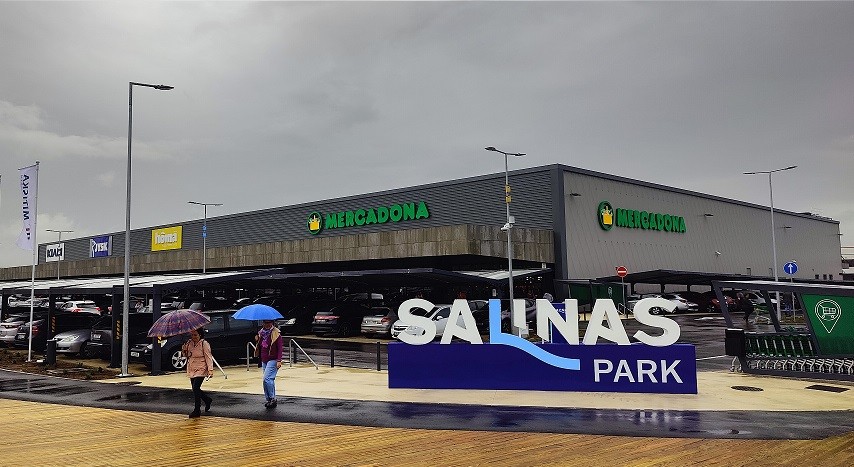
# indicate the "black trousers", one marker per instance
pixel 196 384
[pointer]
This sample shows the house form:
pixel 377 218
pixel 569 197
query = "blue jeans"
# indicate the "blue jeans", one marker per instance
pixel 270 371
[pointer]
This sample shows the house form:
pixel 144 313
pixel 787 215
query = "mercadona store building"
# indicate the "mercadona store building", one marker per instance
pixel 571 225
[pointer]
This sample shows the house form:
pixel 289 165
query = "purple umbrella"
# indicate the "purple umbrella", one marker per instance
pixel 178 322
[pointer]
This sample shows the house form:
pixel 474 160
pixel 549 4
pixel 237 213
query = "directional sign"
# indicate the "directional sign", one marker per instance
pixel 790 268
pixel 622 271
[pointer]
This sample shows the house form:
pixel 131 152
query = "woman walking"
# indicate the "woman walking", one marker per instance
pixel 199 366
pixel 270 350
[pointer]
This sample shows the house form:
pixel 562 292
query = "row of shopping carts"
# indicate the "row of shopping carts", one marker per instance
pixel 790 351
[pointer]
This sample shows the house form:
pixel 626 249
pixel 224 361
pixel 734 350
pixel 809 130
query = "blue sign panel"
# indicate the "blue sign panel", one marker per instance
pixel 603 368
pixel 790 268
pixel 100 247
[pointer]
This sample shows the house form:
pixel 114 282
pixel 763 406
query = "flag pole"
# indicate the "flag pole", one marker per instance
pixel 33 247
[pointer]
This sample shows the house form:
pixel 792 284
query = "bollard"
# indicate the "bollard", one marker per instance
pixel 332 353
pixel 50 352
pixel 379 364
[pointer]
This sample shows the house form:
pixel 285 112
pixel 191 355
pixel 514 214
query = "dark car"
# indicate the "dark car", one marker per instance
pixel 63 321
pixel 299 319
pixel 341 318
pixel 227 336
pixel 101 343
pixel 208 304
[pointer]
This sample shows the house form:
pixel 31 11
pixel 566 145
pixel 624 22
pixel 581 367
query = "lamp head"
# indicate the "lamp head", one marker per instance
pixel 490 148
pixel 163 87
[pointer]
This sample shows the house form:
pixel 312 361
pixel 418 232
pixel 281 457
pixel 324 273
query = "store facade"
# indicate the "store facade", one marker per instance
pixel 576 223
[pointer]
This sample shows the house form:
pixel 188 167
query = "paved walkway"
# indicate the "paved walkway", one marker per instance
pixel 715 389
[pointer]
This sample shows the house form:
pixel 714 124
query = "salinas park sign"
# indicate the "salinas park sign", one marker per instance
pixel 654 364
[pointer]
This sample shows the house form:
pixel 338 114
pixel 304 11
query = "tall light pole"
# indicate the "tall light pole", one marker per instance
pixel 510 221
pixel 60 232
pixel 204 231
pixel 773 233
pixel 125 305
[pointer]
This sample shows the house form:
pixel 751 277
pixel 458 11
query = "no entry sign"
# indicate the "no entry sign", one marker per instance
pixel 622 271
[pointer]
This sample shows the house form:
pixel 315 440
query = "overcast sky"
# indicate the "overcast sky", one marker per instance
pixel 283 103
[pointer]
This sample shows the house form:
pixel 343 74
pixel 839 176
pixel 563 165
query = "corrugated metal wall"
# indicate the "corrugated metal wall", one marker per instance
pixel 477 201
pixel 740 232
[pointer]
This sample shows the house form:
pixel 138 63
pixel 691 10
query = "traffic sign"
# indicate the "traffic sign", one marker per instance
pixel 622 271
pixel 790 268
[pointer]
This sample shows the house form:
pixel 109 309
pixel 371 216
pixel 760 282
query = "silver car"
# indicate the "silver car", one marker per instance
pixel 73 342
pixel 379 322
pixel 9 326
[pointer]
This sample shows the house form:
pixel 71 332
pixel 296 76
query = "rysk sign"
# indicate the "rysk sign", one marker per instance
pixel 655 364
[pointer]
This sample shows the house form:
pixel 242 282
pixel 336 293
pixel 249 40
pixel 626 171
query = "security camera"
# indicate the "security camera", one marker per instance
pixel 506 226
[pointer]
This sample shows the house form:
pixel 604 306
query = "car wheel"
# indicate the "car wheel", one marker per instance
pixel 83 353
pixel 345 329
pixel 655 310
pixel 177 361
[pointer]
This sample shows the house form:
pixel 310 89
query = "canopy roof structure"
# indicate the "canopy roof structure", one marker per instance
pixel 148 284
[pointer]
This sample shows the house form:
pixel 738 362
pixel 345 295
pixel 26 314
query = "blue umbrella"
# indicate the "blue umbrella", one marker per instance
pixel 257 312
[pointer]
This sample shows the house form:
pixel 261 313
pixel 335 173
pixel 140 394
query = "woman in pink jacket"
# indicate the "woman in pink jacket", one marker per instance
pixel 199 366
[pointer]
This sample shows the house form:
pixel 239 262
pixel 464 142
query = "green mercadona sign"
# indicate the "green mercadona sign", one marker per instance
pixel 318 222
pixel 609 216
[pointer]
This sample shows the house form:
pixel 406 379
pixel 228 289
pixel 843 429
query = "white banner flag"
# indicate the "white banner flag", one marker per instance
pixel 29 192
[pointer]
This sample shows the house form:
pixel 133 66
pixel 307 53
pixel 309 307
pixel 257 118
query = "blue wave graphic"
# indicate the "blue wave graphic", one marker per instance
pixel 498 337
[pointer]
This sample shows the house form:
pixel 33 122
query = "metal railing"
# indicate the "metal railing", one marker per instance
pixel 291 345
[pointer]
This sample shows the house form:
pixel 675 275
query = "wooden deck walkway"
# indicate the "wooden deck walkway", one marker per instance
pixel 44 434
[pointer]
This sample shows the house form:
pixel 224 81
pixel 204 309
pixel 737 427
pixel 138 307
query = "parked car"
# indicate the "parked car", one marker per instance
pixel 757 299
pixel 299 319
pixel 101 342
pixel 9 326
pixel 683 305
pixel 341 318
pixel 227 336
pixel 64 322
pixel 79 306
pixel 715 307
pixel 74 342
pixel 379 322
pixel 658 310
pixel 439 315
pixel 208 304
pixel 399 327
pixel 480 312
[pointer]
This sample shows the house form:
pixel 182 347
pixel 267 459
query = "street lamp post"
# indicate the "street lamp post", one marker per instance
pixel 510 221
pixel 125 305
pixel 204 231
pixel 773 233
pixel 60 232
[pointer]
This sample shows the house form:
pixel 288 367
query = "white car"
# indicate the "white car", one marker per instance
pixel 682 304
pixel 757 299
pixel 398 327
pixel 80 306
pixel 439 314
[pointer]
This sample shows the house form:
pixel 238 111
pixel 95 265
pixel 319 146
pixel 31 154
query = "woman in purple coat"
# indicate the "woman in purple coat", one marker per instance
pixel 269 349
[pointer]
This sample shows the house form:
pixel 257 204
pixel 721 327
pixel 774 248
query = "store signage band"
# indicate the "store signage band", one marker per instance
pixel 318 222
pixel 167 238
pixel 609 216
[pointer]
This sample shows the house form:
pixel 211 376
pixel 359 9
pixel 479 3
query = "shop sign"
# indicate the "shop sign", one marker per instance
pixel 100 247
pixel 655 364
pixel 167 238
pixel 609 216
pixel 832 321
pixel 318 222
pixel 55 252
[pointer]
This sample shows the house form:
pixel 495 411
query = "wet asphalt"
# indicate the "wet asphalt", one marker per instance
pixel 706 333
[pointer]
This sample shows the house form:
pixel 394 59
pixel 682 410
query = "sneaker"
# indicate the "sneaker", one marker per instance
pixel 208 406
pixel 273 403
pixel 195 414
pixel 267 404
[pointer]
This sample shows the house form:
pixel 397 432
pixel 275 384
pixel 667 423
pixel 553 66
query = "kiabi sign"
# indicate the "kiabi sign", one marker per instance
pixel 656 364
